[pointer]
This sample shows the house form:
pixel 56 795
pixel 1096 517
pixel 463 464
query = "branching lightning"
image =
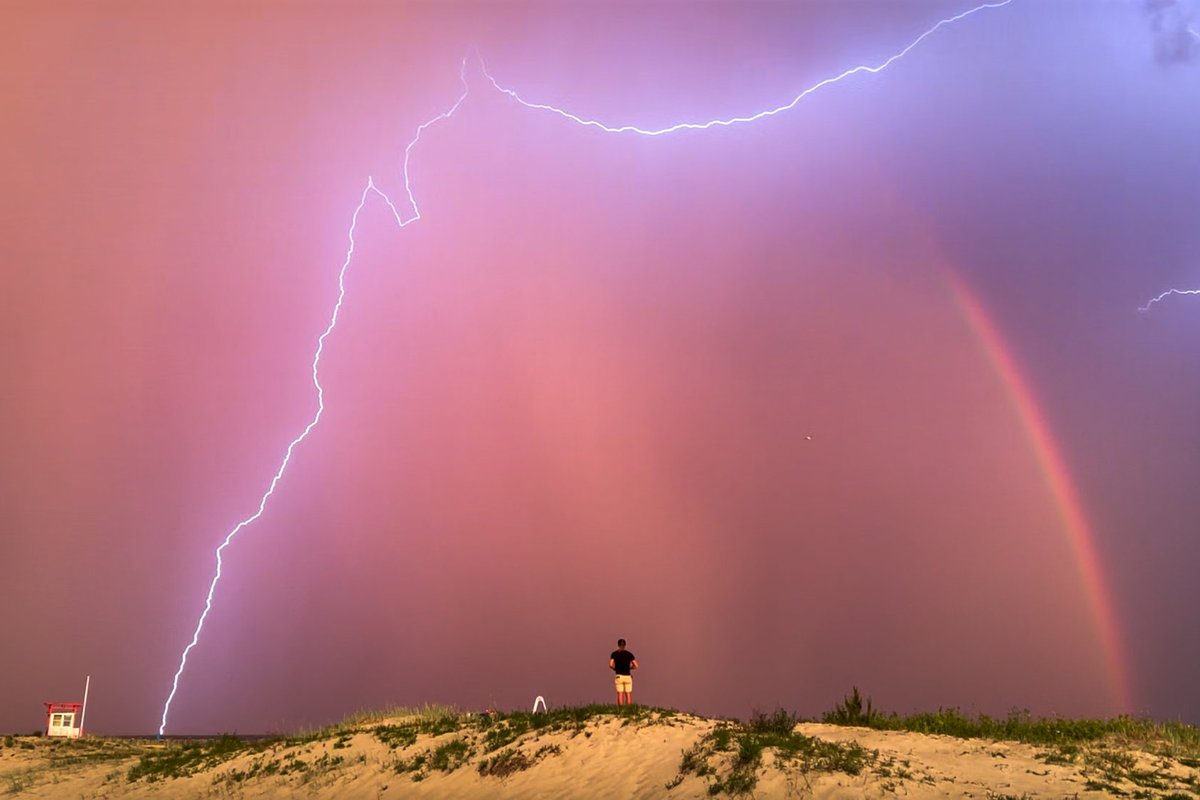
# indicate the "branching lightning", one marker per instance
pixel 1165 295
pixel 415 215
pixel 401 221
pixel 1159 298
pixel 753 117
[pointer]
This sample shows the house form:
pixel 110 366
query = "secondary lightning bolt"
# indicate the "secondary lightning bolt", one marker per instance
pixel 752 118
pixel 1170 292
pixel 368 190
pixel 1165 295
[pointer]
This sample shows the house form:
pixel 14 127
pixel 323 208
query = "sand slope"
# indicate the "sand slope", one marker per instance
pixel 603 757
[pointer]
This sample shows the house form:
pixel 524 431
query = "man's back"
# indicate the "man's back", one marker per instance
pixel 622 661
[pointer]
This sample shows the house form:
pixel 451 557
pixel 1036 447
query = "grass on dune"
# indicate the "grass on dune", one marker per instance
pixel 729 757
pixel 426 715
pixel 1168 738
pixel 58 755
pixel 398 728
pixel 1141 755
pixel 186 758
pixel 180 759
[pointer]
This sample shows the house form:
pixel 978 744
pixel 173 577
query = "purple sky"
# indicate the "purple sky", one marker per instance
pixel 573 402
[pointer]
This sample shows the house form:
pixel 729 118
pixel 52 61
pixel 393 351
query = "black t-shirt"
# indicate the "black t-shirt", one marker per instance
pixel 621 660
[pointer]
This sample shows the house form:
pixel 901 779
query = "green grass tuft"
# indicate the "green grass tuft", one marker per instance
pixel 505 763
pixel 395 736
pixel 852 711
pixel 450 756
pixel 182 760
pixel 1170 738
pixel 741 747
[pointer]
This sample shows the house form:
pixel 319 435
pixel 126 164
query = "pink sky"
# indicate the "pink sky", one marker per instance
pixel 711 393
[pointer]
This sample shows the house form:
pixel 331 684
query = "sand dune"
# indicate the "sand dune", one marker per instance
pixel 585 754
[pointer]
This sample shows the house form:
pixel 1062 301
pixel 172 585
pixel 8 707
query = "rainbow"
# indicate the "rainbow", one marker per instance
pixel 1058 481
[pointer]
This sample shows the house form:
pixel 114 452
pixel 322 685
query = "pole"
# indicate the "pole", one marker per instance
pixel 83 712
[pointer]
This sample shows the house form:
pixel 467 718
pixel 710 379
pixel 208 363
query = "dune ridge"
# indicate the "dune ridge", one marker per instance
pixel 639 752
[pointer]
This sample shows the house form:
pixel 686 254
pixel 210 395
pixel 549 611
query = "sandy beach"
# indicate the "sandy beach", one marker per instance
pixel 590 754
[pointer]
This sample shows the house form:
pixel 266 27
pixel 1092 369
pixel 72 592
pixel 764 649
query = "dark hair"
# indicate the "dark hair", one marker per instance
pixel 620 642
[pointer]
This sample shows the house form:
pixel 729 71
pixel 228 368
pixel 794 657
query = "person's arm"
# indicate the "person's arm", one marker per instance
pixel 633 664
pixel 612 664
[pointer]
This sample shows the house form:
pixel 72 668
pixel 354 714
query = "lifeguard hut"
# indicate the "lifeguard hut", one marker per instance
pixel 66 719
pixel 61 719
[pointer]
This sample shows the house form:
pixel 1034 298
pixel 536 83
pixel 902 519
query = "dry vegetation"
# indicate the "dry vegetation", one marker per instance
pixel 597 751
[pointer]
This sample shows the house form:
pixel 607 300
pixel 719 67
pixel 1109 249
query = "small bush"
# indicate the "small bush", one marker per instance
pixel 504 732
pixel 750 750
pixel 780 723
pixel 395 736
pixel 413 765
pixel 450 756
pixel 504 763
pixel 850 711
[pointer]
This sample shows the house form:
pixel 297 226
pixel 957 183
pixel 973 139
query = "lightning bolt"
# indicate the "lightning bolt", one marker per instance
pixel 402 222
pixel 682 126
pixel 1164 296
pixel 1169 292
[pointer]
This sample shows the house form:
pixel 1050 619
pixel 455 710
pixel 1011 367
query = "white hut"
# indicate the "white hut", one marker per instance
pixel 64 719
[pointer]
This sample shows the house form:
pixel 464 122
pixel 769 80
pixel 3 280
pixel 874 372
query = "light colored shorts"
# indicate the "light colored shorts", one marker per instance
pixel 624 683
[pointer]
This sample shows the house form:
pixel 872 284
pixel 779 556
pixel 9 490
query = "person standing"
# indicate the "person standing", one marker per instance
pixel 623 663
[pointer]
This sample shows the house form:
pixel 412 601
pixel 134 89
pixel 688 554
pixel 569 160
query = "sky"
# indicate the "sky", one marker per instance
pixel 855 395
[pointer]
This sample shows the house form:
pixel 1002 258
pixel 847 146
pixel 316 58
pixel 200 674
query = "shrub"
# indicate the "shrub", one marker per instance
pixel 850 711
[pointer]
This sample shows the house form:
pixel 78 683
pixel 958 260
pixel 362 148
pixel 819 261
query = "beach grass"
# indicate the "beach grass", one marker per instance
pixel 1136 756
pixel 1168 738
pixel 1105 750
pixel 731 756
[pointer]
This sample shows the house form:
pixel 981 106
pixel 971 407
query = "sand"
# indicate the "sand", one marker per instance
pixel 604 757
